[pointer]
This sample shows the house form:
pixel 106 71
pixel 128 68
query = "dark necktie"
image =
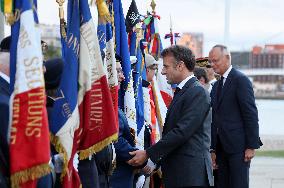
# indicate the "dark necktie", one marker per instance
pixel 219 88
pixel 176 91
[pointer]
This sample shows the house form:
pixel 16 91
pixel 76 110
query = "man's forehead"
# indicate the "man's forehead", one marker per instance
pixel 215 53
pixel 168 58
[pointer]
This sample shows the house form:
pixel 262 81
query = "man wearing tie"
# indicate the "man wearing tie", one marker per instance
pixel 235 130
pixel 183 150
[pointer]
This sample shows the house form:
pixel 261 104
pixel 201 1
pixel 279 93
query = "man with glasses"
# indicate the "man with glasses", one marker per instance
pixel 183 150
pixel 235 130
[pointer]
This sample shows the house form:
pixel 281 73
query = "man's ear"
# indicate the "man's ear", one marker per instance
pixel 181 65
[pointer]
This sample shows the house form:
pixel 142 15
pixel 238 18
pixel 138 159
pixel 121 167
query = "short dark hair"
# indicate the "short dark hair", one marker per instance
pixel 199 73
pixel 5 44
pixel 181 53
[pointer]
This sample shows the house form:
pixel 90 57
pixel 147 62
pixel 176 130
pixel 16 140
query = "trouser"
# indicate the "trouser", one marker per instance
pixel 233 171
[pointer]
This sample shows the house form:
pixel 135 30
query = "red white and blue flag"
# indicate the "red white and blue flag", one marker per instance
pixel 97 117
pixel 64 118
pixel 29 134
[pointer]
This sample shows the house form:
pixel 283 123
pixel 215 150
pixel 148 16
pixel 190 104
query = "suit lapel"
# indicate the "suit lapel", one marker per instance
pixel 189 83
pixel 226 85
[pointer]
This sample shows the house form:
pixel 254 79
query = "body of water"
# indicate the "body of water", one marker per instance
pixel 271 117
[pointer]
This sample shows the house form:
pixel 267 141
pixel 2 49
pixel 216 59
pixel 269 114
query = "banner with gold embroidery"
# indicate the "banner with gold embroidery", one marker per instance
pixel 29 134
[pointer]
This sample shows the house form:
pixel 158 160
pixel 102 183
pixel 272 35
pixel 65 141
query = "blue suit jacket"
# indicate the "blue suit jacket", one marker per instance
pixel 234 116
pixel 4 121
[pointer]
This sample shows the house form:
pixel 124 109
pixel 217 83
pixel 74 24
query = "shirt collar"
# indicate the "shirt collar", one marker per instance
pixel 225 75
pixel 212 81
pixel 182 83
pixel 5 77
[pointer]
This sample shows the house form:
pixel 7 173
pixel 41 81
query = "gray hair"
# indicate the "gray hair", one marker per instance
pixel 224 49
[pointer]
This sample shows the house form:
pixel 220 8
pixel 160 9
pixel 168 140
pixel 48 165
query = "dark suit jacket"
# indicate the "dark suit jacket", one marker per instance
pixel 4 120
pixel 235 117
pixel 183 150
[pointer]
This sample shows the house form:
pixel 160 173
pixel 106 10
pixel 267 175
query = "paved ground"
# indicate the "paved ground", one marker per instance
pixel 267 172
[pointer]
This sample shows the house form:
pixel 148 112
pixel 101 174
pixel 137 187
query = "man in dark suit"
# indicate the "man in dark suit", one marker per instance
pixel 183 150
pixel 235 130
pixel 4 110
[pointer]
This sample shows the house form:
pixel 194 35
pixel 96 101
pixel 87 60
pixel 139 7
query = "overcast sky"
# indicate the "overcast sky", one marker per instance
pixel 252 22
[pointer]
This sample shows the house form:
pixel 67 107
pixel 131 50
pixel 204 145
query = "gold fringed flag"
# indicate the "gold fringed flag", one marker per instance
pixel 97 117
pixel 29 134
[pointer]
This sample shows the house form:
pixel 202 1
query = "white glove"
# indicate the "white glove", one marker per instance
pixel 58 163
pixel 140 182
pixel 76 161
pixel 151 164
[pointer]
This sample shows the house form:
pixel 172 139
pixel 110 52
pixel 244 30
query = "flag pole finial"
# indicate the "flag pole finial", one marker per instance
pixel 61 11
pixel 153 5
pixel 61 17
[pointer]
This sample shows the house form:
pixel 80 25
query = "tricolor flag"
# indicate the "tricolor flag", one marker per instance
pixel 164 87
pixel 64 120
pixel 97 117
pixel 107 48
pixel 160 109
pixel 126 97
pixel 106 42
pixel 29 134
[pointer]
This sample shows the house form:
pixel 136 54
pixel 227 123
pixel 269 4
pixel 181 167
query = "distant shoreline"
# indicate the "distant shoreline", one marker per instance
pixel 272 142
pixel 270 98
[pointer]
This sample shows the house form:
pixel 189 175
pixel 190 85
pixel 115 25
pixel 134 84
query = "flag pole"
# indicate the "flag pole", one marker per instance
pixel 61 17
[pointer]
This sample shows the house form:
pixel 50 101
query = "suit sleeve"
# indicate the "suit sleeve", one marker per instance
pixel 4 123
pixel 195 107
pixel 122 146
pixel 249 112
pixel 213 128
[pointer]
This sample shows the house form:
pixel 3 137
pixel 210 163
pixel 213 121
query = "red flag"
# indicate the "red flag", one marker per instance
pixel 29 135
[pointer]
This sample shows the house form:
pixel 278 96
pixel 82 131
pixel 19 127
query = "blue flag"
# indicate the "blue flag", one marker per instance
pixel 122 50
pixel 126 95
pixel 139 101
pixel 64 119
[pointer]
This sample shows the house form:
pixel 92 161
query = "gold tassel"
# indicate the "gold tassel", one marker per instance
pixel 29 174
pixel 84 154
pixel 59 148
pixel 104 15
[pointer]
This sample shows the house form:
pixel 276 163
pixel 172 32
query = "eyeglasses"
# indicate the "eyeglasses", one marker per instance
pixel 214 61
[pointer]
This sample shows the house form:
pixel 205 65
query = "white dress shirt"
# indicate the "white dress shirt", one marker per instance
pixel 182 83
pixel 225 75
pixel 5 77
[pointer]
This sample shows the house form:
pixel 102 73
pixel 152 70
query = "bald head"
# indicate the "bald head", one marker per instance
pixel 220 59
